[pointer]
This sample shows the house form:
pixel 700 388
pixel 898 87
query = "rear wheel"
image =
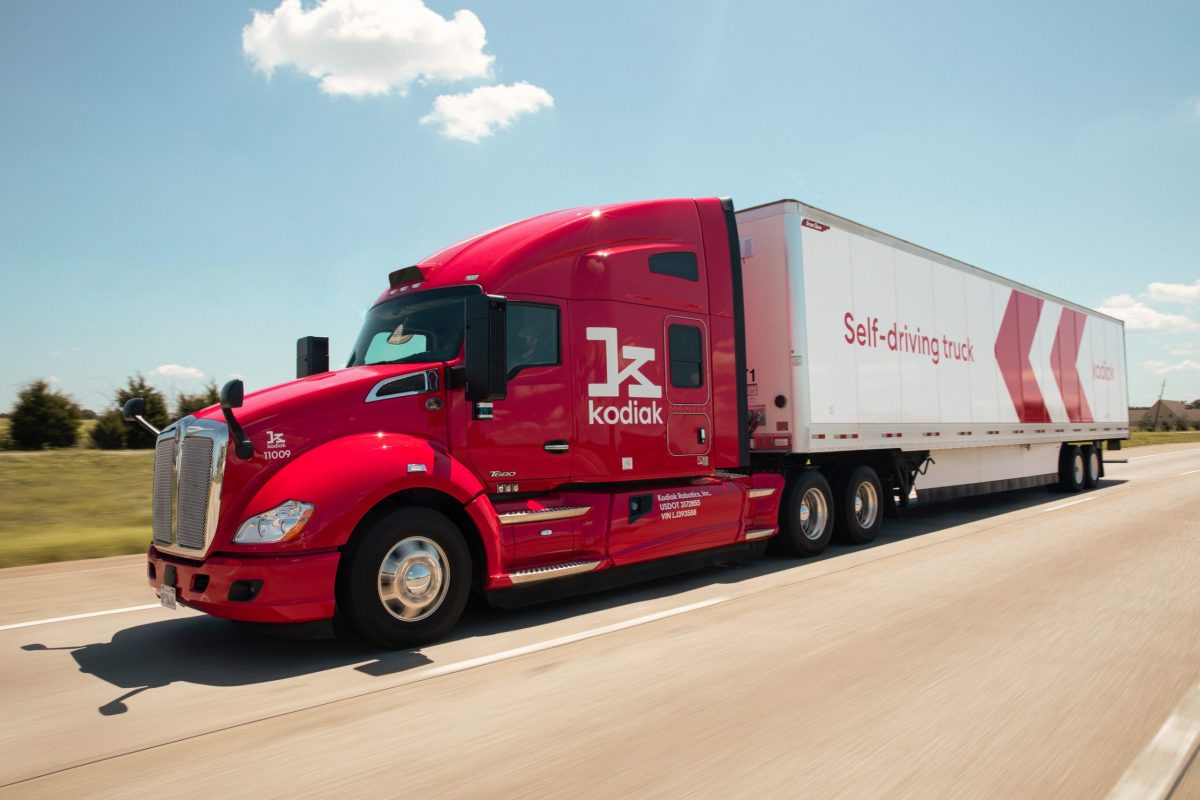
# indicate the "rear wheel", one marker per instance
pixel 806 518
pixel 859 498
pixel 1071 468
pixel 1092 466
pixel 406 580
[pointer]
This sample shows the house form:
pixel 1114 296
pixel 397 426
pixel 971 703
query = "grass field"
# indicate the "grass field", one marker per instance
pixel 1140 438
pixel 67 504
pixel 81 503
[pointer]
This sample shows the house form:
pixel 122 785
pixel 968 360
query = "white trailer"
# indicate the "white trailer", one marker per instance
pixel 860 341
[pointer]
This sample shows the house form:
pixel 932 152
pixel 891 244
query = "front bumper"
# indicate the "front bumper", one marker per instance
pixel 292 588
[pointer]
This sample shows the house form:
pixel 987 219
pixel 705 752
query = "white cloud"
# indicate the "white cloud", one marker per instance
pixel 1182 351
pixel 1175 292
pixel 1140 317
pixel 177 371
pixel 1163 368
pixel 368 47
pixel 480 112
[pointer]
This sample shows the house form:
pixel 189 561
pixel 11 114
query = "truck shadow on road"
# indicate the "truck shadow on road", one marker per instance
pixel 210 652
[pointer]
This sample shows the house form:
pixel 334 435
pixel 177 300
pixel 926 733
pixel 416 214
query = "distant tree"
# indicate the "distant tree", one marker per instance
pixel 1194 404
pixel 191 403
pixel 105 435
pixel 43 417
pixel 110 431
pixel 87 413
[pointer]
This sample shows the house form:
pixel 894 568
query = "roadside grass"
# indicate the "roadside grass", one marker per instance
pixel 62 505
pixel 1142 438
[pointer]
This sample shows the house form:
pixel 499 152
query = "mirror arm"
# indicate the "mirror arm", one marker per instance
pixel 231 398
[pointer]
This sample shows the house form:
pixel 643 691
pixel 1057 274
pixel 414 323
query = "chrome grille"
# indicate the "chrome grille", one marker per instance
pixel 195 477
pixel 164 490
pixel 189 463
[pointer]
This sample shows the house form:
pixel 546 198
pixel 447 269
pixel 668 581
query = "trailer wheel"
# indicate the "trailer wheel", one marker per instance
pixel 859 497
pixel 806 516
pixel 1071 468
pixel 1092 466
pixel 406 580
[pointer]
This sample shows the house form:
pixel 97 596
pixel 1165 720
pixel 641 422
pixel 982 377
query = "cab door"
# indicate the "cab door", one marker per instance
pixel 689 400
pixel 522 443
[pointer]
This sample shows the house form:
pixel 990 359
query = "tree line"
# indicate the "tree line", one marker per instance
pixel 45 417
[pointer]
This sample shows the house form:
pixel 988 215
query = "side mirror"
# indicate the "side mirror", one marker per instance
pixel 134 411
pixel 232 395
pixel 134 407
pixel 312 356
pixel 485 348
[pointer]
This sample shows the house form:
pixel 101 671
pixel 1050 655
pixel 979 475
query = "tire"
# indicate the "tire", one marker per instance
pixel 1092 466
pixel 1071 469
pixel 859 498
pixel 406 580
pixel 806 516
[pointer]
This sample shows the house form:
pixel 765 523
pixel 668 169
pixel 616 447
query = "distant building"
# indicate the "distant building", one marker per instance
pixel 1170 415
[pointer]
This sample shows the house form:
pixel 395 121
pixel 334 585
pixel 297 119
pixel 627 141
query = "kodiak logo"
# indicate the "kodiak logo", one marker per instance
pixel 631 412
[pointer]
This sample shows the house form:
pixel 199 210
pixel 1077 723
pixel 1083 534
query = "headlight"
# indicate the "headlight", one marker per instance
pixel 281 523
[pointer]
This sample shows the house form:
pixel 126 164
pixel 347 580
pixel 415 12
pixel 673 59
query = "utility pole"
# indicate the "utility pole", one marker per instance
pixel 1158 405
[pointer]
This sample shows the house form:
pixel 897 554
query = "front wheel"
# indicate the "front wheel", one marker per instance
pixel 806 518
pixel 406 580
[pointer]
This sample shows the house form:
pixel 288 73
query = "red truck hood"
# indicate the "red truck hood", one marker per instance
pixel 338 392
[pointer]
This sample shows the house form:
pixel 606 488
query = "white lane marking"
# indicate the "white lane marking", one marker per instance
pixel 1066 505
pixel 1171 453
pixel 32 623
pixel 571 638
pixel 1155 773
pixel 1189 472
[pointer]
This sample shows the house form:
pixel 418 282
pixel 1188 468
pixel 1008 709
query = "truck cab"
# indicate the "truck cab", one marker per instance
pixel 550 403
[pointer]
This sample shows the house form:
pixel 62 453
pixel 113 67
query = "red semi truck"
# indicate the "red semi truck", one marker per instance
pixel 594 395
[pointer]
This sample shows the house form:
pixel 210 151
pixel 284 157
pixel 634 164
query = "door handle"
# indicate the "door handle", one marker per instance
pixel 701 435
pixel 556 446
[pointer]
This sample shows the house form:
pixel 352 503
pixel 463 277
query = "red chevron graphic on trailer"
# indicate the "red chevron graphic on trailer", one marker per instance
pixel 1013 344
pixel 1063 361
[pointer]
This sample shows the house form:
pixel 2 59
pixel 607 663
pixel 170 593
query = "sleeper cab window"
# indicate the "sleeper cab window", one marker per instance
pixel 532 336
pixel 687 359
pixel 676 265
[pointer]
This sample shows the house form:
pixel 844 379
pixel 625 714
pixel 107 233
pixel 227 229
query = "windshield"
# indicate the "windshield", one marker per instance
pixel 414 328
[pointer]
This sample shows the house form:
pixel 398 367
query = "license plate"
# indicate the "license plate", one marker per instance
pixel 167 597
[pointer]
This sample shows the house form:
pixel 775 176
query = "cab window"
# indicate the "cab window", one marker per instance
pixel 532 336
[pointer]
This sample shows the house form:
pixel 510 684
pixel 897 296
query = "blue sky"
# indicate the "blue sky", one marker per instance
pixel 169 207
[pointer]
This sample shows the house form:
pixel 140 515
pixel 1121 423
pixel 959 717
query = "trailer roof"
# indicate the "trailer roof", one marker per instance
pixel 829 218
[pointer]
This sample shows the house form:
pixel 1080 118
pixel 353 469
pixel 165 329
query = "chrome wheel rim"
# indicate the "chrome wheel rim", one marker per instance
pixel 813 514
pixel 413 579
pixel 866 504
pixel 1094 466
pixel 1077 468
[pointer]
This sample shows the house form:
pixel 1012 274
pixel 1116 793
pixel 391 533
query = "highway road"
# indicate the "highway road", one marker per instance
pixel 1026 645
